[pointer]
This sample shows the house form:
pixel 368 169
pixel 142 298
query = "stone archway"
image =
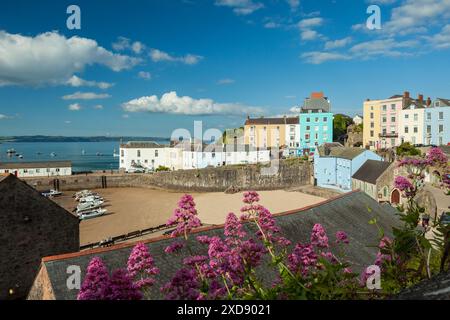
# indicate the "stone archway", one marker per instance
pixel 395 196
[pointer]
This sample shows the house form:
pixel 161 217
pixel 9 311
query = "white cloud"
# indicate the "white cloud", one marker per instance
pixel 4 117
pixel 86 96
pixel 338 43
pixel 295 109
pixel 317 57
pixel 441 40
pixel 160 56
pixel 98 107
pixel 74 107
pixel 225 81
pixel 306 28
pixel 75 81
pixel 310 23
pixel 123 44
pixel 171 103
pixel 51 58
pixel 383 47
pixel 271 25
pixel 144 75
pixel 294 4
pixel 240 7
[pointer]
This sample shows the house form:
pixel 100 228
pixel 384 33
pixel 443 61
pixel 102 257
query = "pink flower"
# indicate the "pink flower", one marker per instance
pixel 302 259
pixel 251 197
pixel 96 282
pixel 435 157
pixel 404 185
pixel 184 217
pixel 122 288
pixel 341 237
pixel 174 247
pixel 185 285
pixel 319 237
pixel 141 266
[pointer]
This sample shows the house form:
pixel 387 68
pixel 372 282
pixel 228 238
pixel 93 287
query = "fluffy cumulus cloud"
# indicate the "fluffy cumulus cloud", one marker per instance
pixel 74 107
pixel 86 96
pixel 51 58
pixel 171 103
pixel 294 4
pixel 160 56
pixel 441 40
pixel 333 44
pixel 317 57
pixel 75 81
pixel 240 7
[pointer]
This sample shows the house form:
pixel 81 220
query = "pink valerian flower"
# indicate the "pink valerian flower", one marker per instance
pixel 251 197
pixel 268 226
pixel 302 259
pixel 184 217
pixel 233 229
pixel 185 285
pixel 141 266
pixel 341 237
pixel 122 287
pixel 96 281
pixel 382 257
pixel 174 247
pixel 319 237
pixel 329 256
pixel 436 157
pixel 404 185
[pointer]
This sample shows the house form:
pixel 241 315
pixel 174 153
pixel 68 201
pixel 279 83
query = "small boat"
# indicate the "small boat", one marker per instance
pixel 39 153
pixel 52 154
pixel 89 206
pixel 11 151
pixel 115 154
pixel 92 214
pixel 90 198
pixel 99 154
pixel 20 156
pixel 83 152
pixel 51 193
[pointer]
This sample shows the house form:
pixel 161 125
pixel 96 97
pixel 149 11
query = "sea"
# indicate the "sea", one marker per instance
pixel 85 156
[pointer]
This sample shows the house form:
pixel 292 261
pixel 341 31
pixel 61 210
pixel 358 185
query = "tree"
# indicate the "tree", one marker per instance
pixel 340 124
pixel 406 149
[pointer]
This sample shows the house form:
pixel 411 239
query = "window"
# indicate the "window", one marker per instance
pixel 121 153
pixel 392 119
pixel 316 120
pixel 308 128
pixel 428 129
pixel 393 107
pixel 436 104
pixel 371 133
pixel 406 116
pixel 156 153
pixel 428 115
pixel 139 153
pixel 371 115
pixel 307 136
pixel 441 128
pixel 384 131
pixel 325 119
pixel 416 116
pixel 213 155
pixel 308 119
pixel 372 125
pixel 392 142
pixel 441 116
pixel 384 107
pixel 392 129
pixel 384 119
pixel 440 141
pixel 406 129
pixel 415 129
pixel 145 161
pixel 316 136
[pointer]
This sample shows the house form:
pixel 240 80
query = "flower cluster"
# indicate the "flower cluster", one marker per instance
pixel 436 157
pixel 319 237
pixel 141 266
pixel 184 217
pixel 404 185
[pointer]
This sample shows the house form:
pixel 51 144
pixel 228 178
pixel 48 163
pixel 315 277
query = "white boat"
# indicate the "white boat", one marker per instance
pixel 92 214
pixel 90 198
pixel 53 154
pixel 51 193
pixel 11 151
pixel 83 194
pixel 88 206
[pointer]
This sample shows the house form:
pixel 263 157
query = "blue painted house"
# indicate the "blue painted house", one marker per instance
pixel 316 123
pixel 437 128
pixel 334 165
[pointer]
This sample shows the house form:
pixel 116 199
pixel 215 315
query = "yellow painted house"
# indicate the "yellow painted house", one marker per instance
pixel 268 132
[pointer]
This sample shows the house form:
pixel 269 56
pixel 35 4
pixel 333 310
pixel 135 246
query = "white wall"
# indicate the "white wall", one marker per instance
pixel 407 120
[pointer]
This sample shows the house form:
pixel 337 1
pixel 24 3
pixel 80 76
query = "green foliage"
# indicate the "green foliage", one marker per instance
pixel 406 149
pixel 162 168
pixel 340 124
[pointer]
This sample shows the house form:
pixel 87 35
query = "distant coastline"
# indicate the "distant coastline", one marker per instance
pixel 40 138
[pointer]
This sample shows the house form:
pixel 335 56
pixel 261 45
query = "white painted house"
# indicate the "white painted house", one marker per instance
pixel 37 169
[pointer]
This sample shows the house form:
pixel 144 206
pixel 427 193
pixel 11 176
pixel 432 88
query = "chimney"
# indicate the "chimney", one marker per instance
pixel 428 102
pixel 317 95
pixel 420 98
pixel 406 94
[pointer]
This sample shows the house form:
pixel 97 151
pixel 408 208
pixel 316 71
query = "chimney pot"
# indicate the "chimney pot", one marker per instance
pixel 420 97
pixel 406 94
pixel 429 101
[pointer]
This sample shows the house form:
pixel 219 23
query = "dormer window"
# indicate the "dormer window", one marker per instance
pixel 436 104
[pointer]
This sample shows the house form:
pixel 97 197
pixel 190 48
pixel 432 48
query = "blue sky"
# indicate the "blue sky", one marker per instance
pixel 146 68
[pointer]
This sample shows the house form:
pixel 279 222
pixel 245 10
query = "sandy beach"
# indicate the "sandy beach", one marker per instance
pixel 131 209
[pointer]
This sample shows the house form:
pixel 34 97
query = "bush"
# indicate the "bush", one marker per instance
pixel 162 168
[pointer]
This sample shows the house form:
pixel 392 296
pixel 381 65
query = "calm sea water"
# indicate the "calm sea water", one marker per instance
pixel 73 151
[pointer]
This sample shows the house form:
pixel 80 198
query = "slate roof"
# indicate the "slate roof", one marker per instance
pixel 141 144
pixel 371 170
pixel 32 165
pixel 347 212
pixel 444 101
pixel 316 104
pixel 272 121
pixel 336 150
pixel 436 288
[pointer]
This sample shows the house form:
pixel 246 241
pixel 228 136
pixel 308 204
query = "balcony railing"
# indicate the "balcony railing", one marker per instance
pixel 388 135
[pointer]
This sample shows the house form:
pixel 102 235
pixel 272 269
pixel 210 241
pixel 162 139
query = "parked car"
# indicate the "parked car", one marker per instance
pixel 445 219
